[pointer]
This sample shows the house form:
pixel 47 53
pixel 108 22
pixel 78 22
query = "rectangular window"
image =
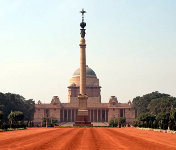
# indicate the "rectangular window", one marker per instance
pixel 121 112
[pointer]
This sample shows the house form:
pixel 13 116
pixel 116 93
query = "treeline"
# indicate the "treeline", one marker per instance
pixel 15 108
pixel 155 110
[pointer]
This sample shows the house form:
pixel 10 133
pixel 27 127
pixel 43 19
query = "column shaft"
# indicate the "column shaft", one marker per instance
pixel 105 115
pixel 67 115
pixel 97 115
pixel 90 114
pixel 63 116
pixel 82 67
pixel 101 114
pixel 74 114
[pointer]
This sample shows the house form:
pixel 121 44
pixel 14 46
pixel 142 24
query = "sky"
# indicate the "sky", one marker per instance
pixel 131 46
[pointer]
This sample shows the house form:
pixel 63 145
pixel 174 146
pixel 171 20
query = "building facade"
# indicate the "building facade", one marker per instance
pixel 98 111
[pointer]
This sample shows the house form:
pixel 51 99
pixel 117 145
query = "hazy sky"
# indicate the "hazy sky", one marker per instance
pixel 131 45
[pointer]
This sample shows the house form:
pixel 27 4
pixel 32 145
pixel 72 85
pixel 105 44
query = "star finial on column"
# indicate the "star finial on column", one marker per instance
pixel 83 24
pixel 83 12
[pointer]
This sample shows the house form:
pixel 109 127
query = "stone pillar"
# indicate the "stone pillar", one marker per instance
pixel 82 67
pixel 90 114
pixel 63 116
pixel 67 115
pixel 83 115
pixel 101 114
pixel 97 115
pixel 74 114
pixel 105 115
pixel 82 97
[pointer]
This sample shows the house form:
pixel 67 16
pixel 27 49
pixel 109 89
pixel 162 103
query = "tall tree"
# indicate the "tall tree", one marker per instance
pixel 16 116
pixel 141 103
pixel 163 120
pixel 15 102
pixel 161 105
pixel 1 116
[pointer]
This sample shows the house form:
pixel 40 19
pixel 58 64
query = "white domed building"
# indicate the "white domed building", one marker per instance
pixel 98 111
pixel 92 86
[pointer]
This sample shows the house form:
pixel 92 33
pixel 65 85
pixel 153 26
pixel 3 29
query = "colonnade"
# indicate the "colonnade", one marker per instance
pixel 68 115
pixel 96 115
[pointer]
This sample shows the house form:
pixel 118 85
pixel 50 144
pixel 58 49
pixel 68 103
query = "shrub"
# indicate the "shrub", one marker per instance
pixel 122 122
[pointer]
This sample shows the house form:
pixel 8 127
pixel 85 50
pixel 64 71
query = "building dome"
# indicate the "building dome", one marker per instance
pixel 89 72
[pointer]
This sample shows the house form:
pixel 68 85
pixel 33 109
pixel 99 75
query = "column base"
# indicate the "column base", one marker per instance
pixel 83 115
pixel 83 119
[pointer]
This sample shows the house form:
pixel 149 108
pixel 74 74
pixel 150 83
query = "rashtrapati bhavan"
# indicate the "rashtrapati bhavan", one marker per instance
pixel 97 111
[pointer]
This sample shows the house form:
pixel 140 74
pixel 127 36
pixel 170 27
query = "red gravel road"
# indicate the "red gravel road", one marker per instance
pixel 86 139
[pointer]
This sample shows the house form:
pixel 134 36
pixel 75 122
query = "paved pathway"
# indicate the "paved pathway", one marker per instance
pixel 86 139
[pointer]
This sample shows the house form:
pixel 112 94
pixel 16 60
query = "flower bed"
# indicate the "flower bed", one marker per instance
pixel 158 130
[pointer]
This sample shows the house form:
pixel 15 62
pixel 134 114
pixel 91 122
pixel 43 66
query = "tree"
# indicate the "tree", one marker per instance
pixel 1 116
pixel 15 116
pixel 161 105
pixel 50 121
pixel 2 107
pixel 163 120
pixel 122 121
pixel 29 109
pixel 53 120
pixel 15 102
pixel 172 123
pixel 141 103
pixel 145 120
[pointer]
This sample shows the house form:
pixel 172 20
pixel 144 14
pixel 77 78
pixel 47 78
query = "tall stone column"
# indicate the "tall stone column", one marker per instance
pixel 82 66
pixel 82 116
